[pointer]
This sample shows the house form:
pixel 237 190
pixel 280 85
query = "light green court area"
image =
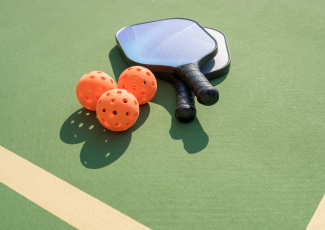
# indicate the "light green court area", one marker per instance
pixel 254 160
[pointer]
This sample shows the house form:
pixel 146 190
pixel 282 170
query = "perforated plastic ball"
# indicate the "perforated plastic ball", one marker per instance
pixel 91 86
pixel 140 82
pixel 117 109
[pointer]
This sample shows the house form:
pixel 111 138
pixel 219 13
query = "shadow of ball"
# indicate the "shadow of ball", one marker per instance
pixel 102 146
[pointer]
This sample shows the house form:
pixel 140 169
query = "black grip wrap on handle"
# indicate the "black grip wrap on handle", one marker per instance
pixel 185 110
pixel 206 94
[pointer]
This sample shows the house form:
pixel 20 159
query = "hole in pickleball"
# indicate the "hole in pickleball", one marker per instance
pixel 92 77
pixel 136 114
pixel 135 102
pixel 123 86
pixel 107 94
pixel 97 98
pixel 113 101
pixel 103 120
pixel 144 82
pixel 116 124
pixel 82 84
pixel 152 84
pixel 125 101
pixel 143 93
pixel 148 73
pixel 119 92
pixel 115 112
pixel 127 124
pixel 138 69
pixel 91 88
pixel 111 80
pixel 104 110
pixel 87 98
pixel 134 87
pixel 102 88
pixel 127 114
pixel 78 94
pixel 102 78
pixel 129 68
pixel 134 77
pixel 99 72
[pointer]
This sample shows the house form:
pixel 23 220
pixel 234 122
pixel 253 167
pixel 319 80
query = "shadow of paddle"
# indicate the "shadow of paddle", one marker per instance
pixel 117 61
pixel 102 147
pixel 218 80
pixel 192 134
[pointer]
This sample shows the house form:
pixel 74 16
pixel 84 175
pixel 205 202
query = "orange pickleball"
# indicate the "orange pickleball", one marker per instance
pixel 91 87
pixel 117 109
pixel 140 82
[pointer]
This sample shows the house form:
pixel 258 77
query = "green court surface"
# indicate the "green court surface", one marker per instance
pixel 254 160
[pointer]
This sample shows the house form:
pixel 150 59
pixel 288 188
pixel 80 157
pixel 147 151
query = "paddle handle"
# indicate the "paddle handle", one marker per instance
pixel 185 109
pixel 206 94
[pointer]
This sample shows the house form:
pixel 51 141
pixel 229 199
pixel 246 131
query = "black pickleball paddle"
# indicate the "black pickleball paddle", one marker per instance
pixel 176 46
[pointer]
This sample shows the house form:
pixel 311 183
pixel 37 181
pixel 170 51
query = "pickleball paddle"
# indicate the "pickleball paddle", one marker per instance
pixel 220 64
pixel 185 110
pixel 177 46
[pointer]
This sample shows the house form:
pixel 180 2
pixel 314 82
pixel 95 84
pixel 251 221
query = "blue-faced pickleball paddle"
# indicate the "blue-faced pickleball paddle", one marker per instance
pixel 185 110
pixel 176 46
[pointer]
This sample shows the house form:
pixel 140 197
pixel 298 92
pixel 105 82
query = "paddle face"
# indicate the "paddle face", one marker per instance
pixel 216 66
pixel 166 43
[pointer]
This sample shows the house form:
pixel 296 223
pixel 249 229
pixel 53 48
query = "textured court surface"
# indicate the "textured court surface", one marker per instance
pixel 255 160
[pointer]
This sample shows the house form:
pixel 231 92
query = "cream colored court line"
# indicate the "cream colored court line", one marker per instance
pixel 317 222
pixel 65 201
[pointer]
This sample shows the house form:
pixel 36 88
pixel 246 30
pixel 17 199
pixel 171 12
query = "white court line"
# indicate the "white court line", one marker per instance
pixel 317 222
pixel 60 198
